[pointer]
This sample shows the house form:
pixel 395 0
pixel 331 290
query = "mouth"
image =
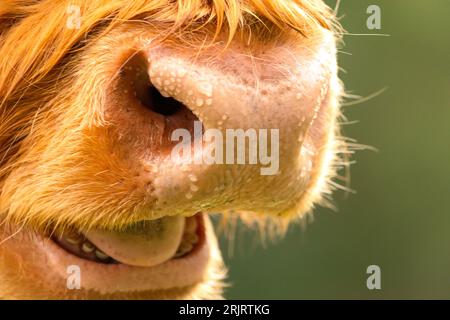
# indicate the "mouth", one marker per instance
pixel 146 243
pixel 172 255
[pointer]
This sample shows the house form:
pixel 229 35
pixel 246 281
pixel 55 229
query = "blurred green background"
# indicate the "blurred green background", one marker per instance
pixel 399 217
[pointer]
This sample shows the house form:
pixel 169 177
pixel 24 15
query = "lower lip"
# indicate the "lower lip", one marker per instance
pixel 110 278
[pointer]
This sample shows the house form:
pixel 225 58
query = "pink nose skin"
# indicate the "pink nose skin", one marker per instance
pixel 292 102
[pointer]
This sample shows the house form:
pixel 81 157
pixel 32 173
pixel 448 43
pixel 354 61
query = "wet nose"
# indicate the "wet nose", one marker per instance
pixel 269 114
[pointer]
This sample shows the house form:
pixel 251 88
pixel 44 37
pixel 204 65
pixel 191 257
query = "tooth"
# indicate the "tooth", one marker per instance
pixel 101 255
pixel 185 247
pixel 72 240
pixel 178 254
pixel 88 247
pixel 71 237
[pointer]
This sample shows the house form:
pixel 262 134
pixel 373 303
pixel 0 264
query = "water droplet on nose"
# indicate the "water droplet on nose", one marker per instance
pixel 194 188
pixel 199 102
pixel 208 102
pixel 158 81
pixel 302 172
pixel 192 177
pixel 188 195
pixel 206 89
pixel 299 96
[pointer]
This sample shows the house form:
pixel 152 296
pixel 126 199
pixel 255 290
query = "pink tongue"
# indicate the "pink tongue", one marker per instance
pixel 145 243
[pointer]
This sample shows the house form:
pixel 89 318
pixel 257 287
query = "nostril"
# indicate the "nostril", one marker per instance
pixel 135 73
pixel 156 102
pixel 145 109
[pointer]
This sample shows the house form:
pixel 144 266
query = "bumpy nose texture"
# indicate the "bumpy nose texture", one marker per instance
pixel 288 97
